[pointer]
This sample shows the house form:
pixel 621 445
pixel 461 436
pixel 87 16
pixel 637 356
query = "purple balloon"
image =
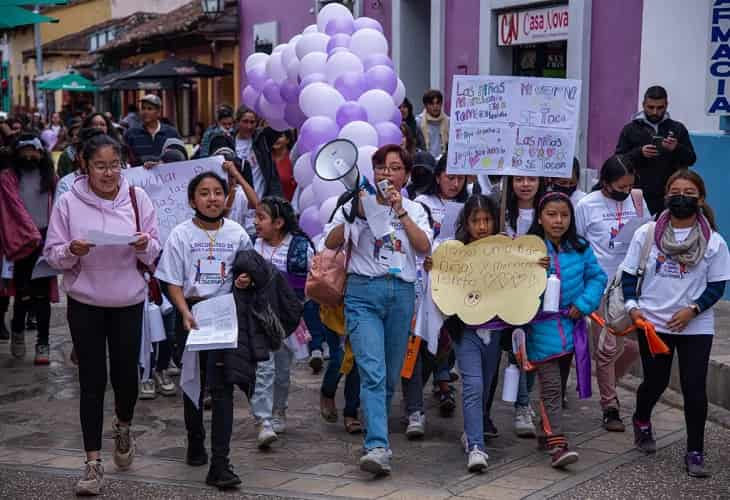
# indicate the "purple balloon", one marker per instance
pixel 293 114
pixel 377 60
pixel 311 78
pixel 339 40
pixel 397 117
pixel 289 91
pixel 388 133
pixel 340 25
pixel 250 96
pixel 309 221
pixel 367 22
pixel 272 93
pixel 381 77
pixel 351 85
pixel 350 112
pixel 315 131
pixel 336 50
pixel 257 77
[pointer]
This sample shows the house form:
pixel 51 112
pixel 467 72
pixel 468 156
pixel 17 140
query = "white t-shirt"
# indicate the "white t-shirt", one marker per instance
pixel 524 221
pixel 278 255
pixel 243 148
pixel 239 209
pixel 577 196
pixel 188 260
pixel 65 184
pixel 244 151
pixel 598 219
pixel 669 286
pixel 378 257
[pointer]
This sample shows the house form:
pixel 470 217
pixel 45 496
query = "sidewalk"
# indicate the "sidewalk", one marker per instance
pixel 40 431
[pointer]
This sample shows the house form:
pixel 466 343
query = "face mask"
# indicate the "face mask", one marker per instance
pixel 27 164
pixel 681 206
pixel 207 219
pixel 618 195
pixel 565 190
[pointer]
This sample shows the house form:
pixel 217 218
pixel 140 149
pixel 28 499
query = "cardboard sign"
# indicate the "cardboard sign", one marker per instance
pixel 167 187
pixel 513 126
pixel 494 276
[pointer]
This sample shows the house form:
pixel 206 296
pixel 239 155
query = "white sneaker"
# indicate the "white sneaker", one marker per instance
pixel 376 461
pixel 124 447
pixel 172 369
pixel 266 436
pixel 416 425
pixel 147 389
pixel 524 427
pixel 164 383
pixel 278 421
pixel 477 461
pixel 92 481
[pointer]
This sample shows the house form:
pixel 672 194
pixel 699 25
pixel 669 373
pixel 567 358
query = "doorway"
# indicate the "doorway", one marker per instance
pixel 415 48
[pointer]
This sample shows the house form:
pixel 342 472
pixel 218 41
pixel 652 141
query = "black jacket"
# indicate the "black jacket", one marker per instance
pixel 266 164
pixel 653 173
pixel 144 147
pixel 267 311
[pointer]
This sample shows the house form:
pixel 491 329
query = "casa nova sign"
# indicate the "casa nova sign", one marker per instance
pixel 532 26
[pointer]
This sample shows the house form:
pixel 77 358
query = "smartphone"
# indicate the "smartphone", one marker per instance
pixel 383 186
pixel 657 141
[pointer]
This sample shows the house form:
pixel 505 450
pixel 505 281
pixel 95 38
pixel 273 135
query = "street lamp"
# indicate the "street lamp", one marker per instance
pixel 213 8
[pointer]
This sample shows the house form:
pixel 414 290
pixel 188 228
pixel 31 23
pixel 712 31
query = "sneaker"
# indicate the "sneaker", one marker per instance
pixel 416 425
pixel 562 456
pixel 42 355
pixel 172 369
pixel 123 445
pixel 644 437
pixel 147 389
pixel 221 476
pixel 17 345
pixel 92 481
pixel 447 403
pixel 464 442
pixel 694 462
pixel 316 361
pixel 490 430
pixel 376 461
pixel 196 454
pixel 524 427
pixel 612 420
pixel 4 333
pixel 477 461
pixel 163 383
pixel 266 436
pixel 278 421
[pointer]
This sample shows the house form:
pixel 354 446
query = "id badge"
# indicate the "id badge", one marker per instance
pixel 211 271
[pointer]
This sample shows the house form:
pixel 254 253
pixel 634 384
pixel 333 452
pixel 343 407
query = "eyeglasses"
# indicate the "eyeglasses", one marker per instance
pixel 395 169
pixel 114 167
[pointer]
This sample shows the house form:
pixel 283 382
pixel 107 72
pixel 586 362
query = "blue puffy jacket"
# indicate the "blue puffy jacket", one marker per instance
pixel 582 282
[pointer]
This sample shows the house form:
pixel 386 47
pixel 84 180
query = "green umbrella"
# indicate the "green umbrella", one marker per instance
pixel 3 3
pixel 72 83
pixel 13 16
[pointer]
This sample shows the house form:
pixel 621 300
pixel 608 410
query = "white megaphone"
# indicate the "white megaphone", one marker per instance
pixel 337 161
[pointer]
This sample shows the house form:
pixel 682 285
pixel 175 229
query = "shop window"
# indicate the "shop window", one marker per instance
pixel 547 60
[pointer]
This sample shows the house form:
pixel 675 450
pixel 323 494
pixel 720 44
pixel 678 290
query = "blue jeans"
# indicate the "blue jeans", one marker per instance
pixel 478 363
pixel 332 376
pixel 314 325
pixel 378 312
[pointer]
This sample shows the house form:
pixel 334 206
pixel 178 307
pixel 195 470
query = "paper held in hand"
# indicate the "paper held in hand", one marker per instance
pixel 217 325
pixel 100 238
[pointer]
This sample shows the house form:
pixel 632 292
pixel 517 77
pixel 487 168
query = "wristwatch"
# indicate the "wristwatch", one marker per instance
pixel 402 214
pixel 696 309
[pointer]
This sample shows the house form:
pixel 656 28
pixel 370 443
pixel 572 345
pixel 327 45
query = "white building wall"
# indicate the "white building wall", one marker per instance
pixel 123 8
pixel 674 45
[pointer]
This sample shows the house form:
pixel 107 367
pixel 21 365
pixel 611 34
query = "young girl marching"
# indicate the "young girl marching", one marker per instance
pixel 196 264
pixel 444 189
pixel 281 242
pixel 550 343
pixel 688 268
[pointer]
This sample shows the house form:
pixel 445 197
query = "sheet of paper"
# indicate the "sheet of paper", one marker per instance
pixel 43 270
pixel 378 216
pixel 217 324
pixel 628 229
pixel 448 225
pixel 100 238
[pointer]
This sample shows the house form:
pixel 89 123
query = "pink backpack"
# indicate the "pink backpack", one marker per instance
pixel 326 279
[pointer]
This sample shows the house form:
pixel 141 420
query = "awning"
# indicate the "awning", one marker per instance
pixel 13 16
pixel 71 83
pixel 53 75
pixel 3 3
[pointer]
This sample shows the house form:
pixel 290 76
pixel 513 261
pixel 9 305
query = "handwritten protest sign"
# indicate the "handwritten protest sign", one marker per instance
pixel 504 125
pixel 167 187
pixel 494 276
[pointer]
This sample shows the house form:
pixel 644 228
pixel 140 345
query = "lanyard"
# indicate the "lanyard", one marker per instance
pixel 211 240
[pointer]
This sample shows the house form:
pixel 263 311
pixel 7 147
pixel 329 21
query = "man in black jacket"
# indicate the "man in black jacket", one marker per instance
pixel 657 145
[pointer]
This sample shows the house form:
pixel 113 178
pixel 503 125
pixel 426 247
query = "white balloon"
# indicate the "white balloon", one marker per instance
pixel 312 28
pixel 289 54
pixel 256 59
pixel 365 161
pixel 279 48
pixel 340 63
pixel 400 93
pixel 379 106
pixel 275 69
pixel 320 99
pixel 368 41
pixel 326 208
pixel 361 133
pixel 292 70
pixel 331 11
pixel 303 172
pixel 326 189
pixel 312 42
pixel 314 62
pixel 306 199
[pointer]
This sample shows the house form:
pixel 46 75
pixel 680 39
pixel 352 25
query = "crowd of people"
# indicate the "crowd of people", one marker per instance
pixel 244 238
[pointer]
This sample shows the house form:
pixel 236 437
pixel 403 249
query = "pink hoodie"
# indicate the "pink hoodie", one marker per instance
pixel 107 276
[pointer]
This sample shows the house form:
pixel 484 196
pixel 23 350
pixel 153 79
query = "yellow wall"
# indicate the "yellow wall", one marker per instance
pixel 74 18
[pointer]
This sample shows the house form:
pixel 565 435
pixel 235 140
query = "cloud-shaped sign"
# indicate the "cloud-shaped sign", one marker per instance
pixel 494 276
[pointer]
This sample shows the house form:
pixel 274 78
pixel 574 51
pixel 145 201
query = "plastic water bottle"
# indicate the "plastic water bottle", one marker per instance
pixel 551 302
pixel 510 384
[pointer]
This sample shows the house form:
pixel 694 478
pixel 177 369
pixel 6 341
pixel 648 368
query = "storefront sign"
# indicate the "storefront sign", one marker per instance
pixel 532 26
pixel 507 125
pixel 718 64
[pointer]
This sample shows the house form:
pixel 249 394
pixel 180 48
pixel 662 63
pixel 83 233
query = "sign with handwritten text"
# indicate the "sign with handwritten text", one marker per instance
pixel 507 125
pixel 167 186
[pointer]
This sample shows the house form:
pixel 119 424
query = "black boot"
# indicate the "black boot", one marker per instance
pixel 196 454
pixel 221 475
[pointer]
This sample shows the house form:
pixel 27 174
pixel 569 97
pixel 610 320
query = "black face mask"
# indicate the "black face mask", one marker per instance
pixel 207 219
pixel 617 195
pixel 681 206
pixel 569 190
pixel 28 164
